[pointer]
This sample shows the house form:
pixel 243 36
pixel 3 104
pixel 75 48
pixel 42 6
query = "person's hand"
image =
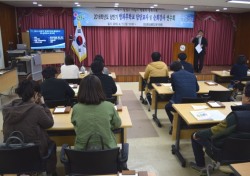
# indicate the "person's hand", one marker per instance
pixel 42 100
pixel 201 45
pixel 194 137
pixel 37 98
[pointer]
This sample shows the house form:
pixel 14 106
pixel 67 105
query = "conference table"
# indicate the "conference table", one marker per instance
pixel 166 89
pixel 241 169
pixel 117 94
pixel 8 79
pixel 223 76
pixel 183 111
pixel 82 75
pixel 63 132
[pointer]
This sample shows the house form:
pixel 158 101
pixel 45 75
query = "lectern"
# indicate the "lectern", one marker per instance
pixel 187 48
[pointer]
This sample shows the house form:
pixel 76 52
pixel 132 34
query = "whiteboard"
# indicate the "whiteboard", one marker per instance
pixel 1 51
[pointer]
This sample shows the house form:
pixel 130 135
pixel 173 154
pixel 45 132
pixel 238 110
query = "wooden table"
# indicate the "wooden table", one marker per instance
pixel 241 169
pixel 167 90
pixel 183 111
pixel 117 94
pixel 8 80
pixel 63 131
pixel 223 76
pixel 112 74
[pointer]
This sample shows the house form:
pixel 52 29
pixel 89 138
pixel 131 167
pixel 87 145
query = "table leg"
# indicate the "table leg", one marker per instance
pixel 176 146
pixel 155 118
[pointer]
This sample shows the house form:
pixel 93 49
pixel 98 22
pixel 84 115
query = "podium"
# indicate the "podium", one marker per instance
pixel 187 48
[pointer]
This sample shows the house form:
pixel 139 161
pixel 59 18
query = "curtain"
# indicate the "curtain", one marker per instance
pixel 132 46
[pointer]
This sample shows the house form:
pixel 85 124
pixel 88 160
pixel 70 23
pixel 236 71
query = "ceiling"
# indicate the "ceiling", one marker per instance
pixel 199 5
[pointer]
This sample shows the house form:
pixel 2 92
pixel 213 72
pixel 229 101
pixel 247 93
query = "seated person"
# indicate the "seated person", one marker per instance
pixel 100 58
pixel 55 89
pixel 69 70
pixel 184 84
pixel 186 66
pixel 108 84
pixel 156 68
pixel 31 117
pixel 238 70
pixel 201 138
pixel 92 114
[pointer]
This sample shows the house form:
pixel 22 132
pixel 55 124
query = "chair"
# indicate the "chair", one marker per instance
pixel 73 81
pixel 98 162
pixel 152 80
pixel 112 99
pixel 222 96
pixel 235 147
pixel 55 103
pixel 21 160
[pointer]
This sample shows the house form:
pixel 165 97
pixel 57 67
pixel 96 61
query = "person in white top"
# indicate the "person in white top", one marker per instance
pixel 69 70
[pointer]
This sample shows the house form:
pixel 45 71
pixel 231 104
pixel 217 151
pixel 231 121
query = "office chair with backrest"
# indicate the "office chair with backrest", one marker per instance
pixel 26 159
pixel 97 162
pixel 222 96
pixel 233 148
pixel 152 80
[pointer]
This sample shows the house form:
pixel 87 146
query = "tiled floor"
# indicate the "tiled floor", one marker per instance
pixel 153 154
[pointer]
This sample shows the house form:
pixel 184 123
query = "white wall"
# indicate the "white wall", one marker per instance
pixel 1 51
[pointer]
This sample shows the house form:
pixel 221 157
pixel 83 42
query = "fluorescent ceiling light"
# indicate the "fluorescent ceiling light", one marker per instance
pixel 224 8
pixel 76 3
pixel 35 3
pixel 155 5
pixel 116 4
pixel 239 2
pixel 185 8
pixel 40 5
pixel 152 7
pixel 191 7
pixel 217 10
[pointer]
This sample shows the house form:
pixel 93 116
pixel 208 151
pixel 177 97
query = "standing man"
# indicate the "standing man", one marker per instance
pixel 199 55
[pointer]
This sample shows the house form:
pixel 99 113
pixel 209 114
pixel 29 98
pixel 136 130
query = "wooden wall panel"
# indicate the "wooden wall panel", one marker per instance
pixel 242 38
pixel 8 28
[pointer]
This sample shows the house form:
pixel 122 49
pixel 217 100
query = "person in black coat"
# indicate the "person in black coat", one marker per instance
pixel 186 66
pixel 55 89
pixel 108 84
pixel 199 57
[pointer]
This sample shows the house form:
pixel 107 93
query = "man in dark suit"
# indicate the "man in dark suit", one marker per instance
pixel 184 84
pixel 199 56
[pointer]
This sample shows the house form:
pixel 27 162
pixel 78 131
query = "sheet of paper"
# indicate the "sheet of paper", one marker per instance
pixel 115 107
pixel 214 104
pixel 238 103
pixel 59 110
pixel 166 84
pixel 195 107
pixel 217 115
pixel 201 115
pixel 211 83
pixel 198 48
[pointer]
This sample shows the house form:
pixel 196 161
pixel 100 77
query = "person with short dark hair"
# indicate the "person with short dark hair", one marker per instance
pixel 31 117
pixel 239 70
pixel 92 114
pixel 225 128
pixel 55 89
pixel 99 57
pixel 69 70
pixel 186 66
pixel 108 84
pixel 184 84
pixel 156 68
pixel 199 57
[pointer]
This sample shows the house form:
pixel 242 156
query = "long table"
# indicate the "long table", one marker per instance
pixel 183 111
pixel 167 90
pixel 82 75
pixel 63 131
pixel 241 169
pixel 8 79
pixel 223 76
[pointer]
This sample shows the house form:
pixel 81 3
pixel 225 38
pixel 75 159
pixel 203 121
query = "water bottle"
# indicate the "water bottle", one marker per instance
pixel 82 69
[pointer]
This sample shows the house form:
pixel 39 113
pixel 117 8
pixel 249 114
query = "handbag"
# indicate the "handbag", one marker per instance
pixel 15 140
pixel 94 147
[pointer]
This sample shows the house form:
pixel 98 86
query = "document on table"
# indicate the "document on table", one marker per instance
pixel 208 115
pixel 198 48
pixel 195 107
pixel 59 110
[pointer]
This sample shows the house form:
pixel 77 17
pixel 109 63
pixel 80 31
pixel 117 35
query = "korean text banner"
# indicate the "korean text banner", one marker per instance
pixel 133 17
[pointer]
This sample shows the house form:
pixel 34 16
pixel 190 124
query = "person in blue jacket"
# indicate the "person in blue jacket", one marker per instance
pixel 186 66
pixel 184 84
